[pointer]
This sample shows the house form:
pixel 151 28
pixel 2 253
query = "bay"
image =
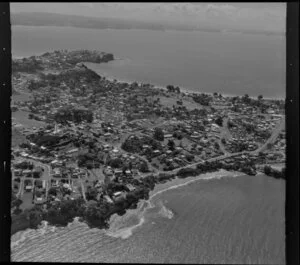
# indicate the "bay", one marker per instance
pixel 228 63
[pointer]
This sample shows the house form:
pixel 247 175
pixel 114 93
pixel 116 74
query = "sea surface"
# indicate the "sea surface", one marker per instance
pixel 228 63
pixel 217 220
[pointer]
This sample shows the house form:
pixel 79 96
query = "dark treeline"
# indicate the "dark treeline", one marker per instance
pixel 278 174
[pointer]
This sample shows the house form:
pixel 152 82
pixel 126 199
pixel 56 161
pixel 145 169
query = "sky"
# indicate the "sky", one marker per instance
pixel 247 16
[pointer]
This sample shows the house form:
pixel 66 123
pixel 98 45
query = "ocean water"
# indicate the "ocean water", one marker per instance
pixel 232 64
pixel 219 220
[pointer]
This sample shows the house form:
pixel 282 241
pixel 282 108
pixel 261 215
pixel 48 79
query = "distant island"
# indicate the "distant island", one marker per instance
pixel 63 20
pixel 88 147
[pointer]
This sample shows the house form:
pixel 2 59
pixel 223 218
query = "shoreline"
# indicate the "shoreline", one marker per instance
pixel 179 182
pixel 125 232
pixel 163 183
pixel 185 90
pixel 143 206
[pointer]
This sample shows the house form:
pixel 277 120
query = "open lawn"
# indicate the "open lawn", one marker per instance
pixel 17 138
pixel 27 201
pixel 96 174
pixel 21 117
pixel 20 97
pixel 187 102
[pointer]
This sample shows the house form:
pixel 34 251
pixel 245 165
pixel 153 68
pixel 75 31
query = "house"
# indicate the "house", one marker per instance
pixel 26 171
pixel 118 195
pixel 28 188
pixel 108 199
pixel 17 172
pixel 67 186
pixel 39 200
pixel 72 151
pixel 130 187
pixel 128 173
pixel 118 172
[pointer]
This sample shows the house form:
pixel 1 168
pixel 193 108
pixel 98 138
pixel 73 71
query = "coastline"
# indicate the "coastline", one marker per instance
pixel 117 228
pixel 179 182
pixel 157 189
pixel 185 90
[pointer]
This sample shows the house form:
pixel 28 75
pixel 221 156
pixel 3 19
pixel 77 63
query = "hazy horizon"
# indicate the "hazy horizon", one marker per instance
pixel 230 16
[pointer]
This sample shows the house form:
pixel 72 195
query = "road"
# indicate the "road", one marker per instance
pixel 273 137
pixel 83 189
pixel 225 133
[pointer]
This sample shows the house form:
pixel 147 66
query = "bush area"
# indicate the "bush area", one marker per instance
pixel 72 114
pixel 269 171
pixel 29 65
pixel 45 140
pixel 135 144
pixel 203 99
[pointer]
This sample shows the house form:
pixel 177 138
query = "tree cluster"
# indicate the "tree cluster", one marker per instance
pixel 173 89
pixel 202 99
pixel 269 171
pixel 73 114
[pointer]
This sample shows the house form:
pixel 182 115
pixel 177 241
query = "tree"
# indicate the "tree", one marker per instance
pixel 35 217
pixel 144 167
pixel 16 203
pixel 216 145
pixel 36 174
pixel 171 145
pixel 116 163
pixel 246 99
pixel 158 134
pixel 219 121
pixel 267 170
pixel 52 191
pixel 38 193
pixel 170 88
pixel 91 193
pixel 260 97
pixel 190 157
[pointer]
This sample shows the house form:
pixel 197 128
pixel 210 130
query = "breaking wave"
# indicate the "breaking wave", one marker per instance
pixel 123 226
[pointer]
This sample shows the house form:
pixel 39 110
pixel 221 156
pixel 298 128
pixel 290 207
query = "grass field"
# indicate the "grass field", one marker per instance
pixel 27 201
pixel 21 117
pixel 20 97
pixel 187 102
pixel 17 138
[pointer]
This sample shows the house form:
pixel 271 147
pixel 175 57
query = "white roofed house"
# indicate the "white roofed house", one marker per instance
pixel 28 188
pixel 118 172
pixel 128 173
pixel 156 152
pixel 119 195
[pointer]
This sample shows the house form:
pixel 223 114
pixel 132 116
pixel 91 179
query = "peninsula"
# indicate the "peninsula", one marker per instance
pixel 88 147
